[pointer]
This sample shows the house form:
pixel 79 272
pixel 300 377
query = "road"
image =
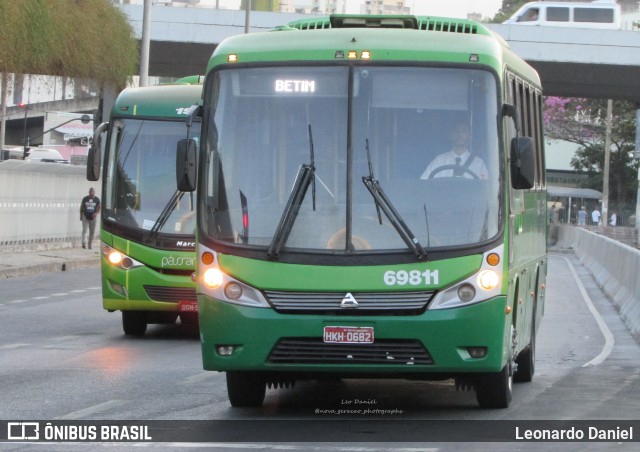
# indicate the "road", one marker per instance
pixel 64 358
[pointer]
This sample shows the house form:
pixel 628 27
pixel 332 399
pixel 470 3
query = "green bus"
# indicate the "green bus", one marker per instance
pixel 335 239
pixel 147 225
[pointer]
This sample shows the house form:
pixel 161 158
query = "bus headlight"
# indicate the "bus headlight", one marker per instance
pixel 115 257
pixel 233 291
pixel 488 279
pixel 466 293
pixel 212 278
pixel 118 259
pixel 483 285
pixel 216 284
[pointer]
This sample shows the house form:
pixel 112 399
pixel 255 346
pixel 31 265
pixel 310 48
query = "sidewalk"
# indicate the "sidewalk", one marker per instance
pixel 29 262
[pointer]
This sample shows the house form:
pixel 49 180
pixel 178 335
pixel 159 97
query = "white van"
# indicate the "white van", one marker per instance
pixel 45 155
pixel 569 14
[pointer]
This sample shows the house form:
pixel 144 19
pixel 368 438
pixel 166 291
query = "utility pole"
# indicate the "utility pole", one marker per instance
pixel 145 44
pixel 247 15
pixel 4 80
pixel 607 155
pixel 25 151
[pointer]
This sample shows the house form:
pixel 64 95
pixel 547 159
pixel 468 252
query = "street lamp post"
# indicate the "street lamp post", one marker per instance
pixel 85 119
pixel 247 15
pixel 25 139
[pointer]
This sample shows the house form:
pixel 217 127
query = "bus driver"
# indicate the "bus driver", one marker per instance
pixel 458 162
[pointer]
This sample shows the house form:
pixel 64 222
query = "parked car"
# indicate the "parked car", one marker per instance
pixel 45 155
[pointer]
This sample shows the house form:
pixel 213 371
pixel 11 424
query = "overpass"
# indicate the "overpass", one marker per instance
pixel 572 62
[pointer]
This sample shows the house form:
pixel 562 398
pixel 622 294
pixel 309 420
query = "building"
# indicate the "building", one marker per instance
pixel 385 7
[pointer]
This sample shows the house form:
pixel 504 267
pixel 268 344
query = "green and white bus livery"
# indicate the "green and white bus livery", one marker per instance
pixel 325 247
pixel 147 225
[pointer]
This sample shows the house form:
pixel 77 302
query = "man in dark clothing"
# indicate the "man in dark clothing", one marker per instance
pixel 89 208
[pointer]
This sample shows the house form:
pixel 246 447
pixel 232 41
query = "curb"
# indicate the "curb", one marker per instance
pixel 57 265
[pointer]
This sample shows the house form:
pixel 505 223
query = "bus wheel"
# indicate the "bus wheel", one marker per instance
pixel 190 323
pixel 134 323
pixel 245 389
pixel 493 390
pixel 527 357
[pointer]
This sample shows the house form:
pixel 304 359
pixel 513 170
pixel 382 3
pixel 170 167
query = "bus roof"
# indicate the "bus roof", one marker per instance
pixel 390 38
pixel 163 101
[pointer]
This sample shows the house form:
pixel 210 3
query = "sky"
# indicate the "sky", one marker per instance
pixel 447 8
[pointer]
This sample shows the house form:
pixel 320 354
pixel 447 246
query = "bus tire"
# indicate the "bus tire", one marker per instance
pixel 245 389
pixel 134 323
pixel 494 390
pixel 527 357
pixel 190 323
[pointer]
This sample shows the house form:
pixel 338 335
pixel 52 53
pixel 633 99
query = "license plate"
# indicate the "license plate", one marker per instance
pixel 188 306
pixel 348 334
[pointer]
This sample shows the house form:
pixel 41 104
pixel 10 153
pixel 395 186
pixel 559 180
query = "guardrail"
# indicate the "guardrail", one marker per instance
pixel 40 204
pixel 614 267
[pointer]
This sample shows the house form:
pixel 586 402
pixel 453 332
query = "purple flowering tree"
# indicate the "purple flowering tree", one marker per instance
pixel 583 122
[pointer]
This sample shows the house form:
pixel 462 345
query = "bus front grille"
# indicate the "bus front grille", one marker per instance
pixel 171 294
pixel 383 352
pixel 356 303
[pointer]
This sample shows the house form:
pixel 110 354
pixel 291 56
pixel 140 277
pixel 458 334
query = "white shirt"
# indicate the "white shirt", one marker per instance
pixel 595 216
pixel 449 158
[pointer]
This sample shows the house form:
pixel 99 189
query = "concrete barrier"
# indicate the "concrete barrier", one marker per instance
pixel 614 266
pixel 40 204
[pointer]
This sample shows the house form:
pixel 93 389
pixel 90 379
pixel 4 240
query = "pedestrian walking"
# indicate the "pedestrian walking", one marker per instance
pixel 582 216
pixel 89 208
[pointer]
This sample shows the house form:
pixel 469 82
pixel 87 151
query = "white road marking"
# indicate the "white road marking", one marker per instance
pixel 198 378
pixel 93 409
pixel 11 346
pixel 65 338
pixel 604 329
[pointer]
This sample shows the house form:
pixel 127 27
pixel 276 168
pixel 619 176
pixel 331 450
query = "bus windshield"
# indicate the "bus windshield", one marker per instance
pixel 360 131
pixel 140 191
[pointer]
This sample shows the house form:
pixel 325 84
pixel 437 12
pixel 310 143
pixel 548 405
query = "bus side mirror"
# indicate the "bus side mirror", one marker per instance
pixel 523 163
pixel 512 112
pixel 93 163
pixel 186 165
pixel 94 156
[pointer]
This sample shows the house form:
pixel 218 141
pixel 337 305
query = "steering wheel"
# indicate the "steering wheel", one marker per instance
pixel 452 167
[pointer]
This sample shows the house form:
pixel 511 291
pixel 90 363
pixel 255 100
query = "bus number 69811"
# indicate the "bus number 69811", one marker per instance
pixel 412 277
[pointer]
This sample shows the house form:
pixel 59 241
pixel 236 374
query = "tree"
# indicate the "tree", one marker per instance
pixel 508 8
pixel 582 121
pixel 69 38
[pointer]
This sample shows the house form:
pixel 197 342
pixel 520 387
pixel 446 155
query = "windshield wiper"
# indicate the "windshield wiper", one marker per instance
pixel 384 203
pixel 304 178
pixel 165 214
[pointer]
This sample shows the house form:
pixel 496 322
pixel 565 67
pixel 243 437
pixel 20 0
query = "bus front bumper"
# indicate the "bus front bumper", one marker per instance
pixel 445 342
